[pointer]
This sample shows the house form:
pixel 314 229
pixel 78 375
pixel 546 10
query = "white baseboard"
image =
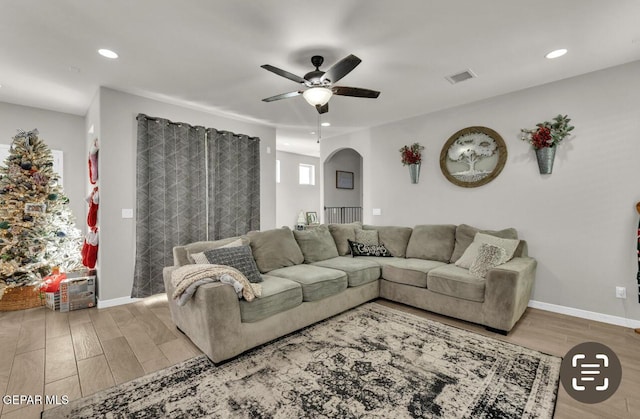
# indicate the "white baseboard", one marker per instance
pixel 584 314
pixel 116 302
pixel 569 311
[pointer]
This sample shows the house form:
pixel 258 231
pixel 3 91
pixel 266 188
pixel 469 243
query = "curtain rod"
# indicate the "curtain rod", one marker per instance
pixel 158 119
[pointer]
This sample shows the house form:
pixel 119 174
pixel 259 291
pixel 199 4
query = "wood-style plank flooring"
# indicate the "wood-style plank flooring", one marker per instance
pixel 79 353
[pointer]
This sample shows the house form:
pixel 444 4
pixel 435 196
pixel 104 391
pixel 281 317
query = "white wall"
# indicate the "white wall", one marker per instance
pixel 60 131
pixel 291 197
pixel 580 222
pixel 118 128
pixel 347 160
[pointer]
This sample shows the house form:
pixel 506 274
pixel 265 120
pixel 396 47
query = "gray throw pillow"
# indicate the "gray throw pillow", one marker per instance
pixel 274 249
pixel 239 257
pixel 489 256
pixel 183 254
pixel 316 244
pixel 369 237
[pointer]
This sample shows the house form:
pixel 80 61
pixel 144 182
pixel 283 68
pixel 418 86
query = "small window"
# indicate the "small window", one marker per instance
pixel 277 171
pixel 307 174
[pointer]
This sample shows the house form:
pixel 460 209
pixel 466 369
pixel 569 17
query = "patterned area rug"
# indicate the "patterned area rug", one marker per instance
pixel 372 361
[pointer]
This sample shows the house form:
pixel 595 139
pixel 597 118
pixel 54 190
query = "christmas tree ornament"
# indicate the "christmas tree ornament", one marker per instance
pixel 39 179
pixel 26 165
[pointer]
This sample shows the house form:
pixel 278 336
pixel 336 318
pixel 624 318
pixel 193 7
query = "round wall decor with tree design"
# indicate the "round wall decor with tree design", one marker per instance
pixel 473 157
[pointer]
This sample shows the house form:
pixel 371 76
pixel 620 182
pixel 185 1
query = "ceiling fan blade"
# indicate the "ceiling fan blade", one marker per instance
pixel 323 108
pixel 355 91
pixel 282 96
pixel 341 69
pixel 284 73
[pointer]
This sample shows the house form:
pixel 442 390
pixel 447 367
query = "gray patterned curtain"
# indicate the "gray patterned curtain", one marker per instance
pixel 170 197
pixel 234 184
pixel 172 188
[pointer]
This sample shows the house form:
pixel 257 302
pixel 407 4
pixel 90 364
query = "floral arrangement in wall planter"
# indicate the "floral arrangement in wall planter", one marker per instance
pixel 412 157
pixel 545 138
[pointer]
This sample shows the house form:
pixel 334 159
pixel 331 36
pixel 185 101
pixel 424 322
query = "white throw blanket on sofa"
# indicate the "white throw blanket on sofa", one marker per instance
pixel 187 278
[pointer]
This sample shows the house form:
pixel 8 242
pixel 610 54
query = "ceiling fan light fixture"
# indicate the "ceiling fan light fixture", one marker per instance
pixel 317 96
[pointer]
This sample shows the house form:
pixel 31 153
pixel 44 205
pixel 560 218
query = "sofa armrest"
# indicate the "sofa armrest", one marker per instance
pixel 507 292
pixel 212 314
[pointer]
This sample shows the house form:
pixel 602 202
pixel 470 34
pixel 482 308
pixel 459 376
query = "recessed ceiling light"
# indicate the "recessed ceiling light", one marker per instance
pixel 107 53
pixel 557 53
pixel 286 143
pixel 326 124
pixel 312 133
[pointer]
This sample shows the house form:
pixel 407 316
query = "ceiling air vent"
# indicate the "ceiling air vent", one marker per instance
pixel 462 76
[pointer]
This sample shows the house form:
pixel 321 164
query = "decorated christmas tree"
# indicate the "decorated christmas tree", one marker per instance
pixel 37 230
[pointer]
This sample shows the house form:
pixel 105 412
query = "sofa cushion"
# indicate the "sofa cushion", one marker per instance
pixel 239 257
pixel 380 260
pixel 456 282
pixel 465 234
pixel 369 237
pixel 316 244
pixel 182 255
pixel 342 232
pixel 273 249
pixel 489 256
pixel 471 254
pixel 359 270
pixel 361 249
pixel 432 242
pixel 394 238
pixel 317 282
pixel 278 295
pixel 409 271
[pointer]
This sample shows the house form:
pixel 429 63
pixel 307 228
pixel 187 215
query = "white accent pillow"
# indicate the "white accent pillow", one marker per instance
pixel 199 258
pixel 489 256
pixel 471 254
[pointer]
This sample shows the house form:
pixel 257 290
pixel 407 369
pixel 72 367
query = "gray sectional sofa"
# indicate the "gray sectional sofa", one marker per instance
pixel 311 275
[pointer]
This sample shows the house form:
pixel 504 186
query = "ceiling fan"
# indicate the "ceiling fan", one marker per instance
pixel 320 84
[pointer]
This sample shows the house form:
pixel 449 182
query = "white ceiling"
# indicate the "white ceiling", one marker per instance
pixel 207 54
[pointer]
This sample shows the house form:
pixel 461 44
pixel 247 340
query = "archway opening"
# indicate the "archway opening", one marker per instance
pixel 343 187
